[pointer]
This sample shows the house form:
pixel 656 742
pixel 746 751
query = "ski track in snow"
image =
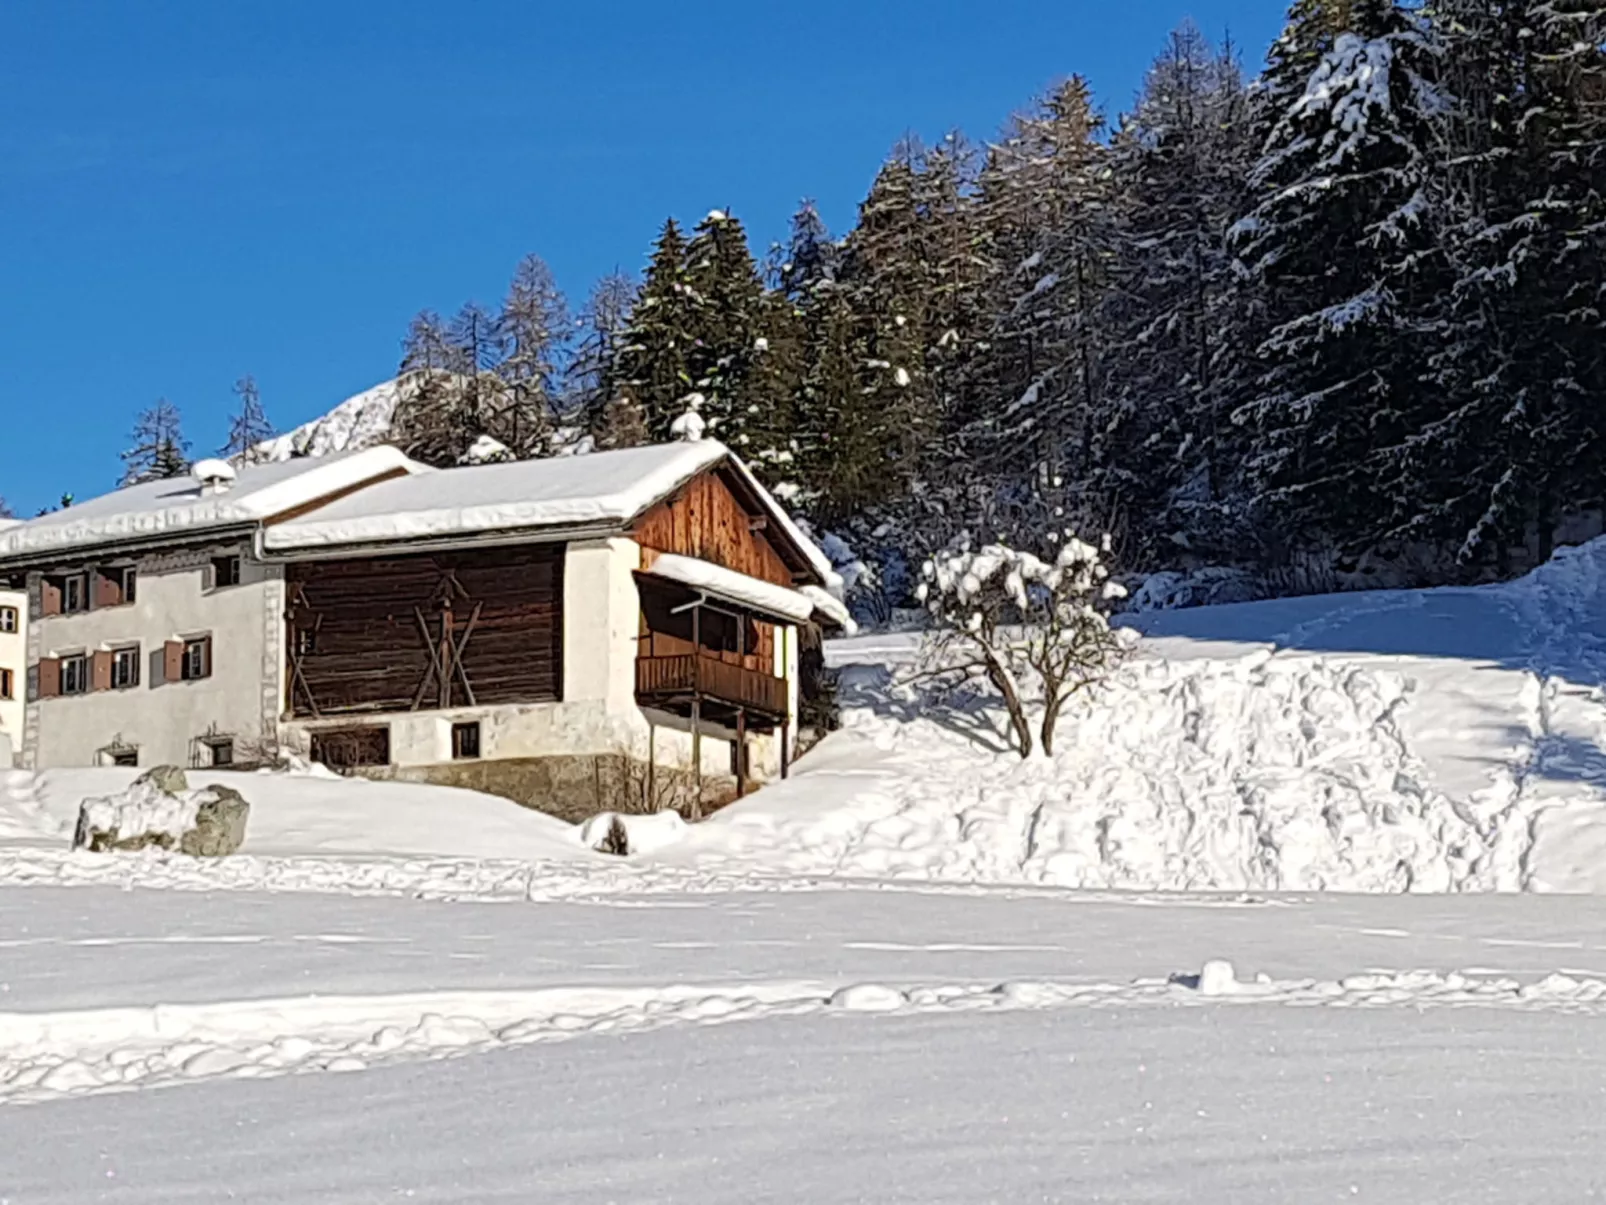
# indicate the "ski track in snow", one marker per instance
pixel 46 1056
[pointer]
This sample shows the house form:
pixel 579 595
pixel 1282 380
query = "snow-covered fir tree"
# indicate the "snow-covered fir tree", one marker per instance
pixel 1340 248
pixel 654 363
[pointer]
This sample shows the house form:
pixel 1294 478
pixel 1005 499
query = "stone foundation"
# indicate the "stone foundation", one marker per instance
pixel 572 788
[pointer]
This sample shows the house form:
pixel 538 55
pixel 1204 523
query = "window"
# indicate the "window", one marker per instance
pixel 466 740
pixel 342 749
pixel 74 593
pixel 221 748
pixel 197 662
pixel 8 684
pixel 10 621
pixel 129 583
pixel 74 674
pixel 125 667
pixel 225 572
pixel 124 757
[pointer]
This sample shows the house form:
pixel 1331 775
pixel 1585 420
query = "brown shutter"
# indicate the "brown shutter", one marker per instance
pixel 173 661
pixel 105 589
pixel 49 597
pixel 100 670
pixel 49 677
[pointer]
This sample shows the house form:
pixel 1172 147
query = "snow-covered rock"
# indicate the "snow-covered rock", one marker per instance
pixel 159 810
pixel 640 834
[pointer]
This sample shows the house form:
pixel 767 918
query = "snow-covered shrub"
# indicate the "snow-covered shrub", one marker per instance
pixel 1006 615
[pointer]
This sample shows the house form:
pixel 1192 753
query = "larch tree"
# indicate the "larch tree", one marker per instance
pixel 1179 161
pixel 159 449
pixel 532 331
pixel 249 429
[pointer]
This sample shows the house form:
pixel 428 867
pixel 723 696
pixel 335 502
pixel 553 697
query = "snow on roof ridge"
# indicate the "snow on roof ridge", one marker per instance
pixel 555 492
pixel 180 506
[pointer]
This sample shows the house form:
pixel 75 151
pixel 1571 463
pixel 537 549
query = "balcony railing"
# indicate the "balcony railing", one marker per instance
pixel 667 679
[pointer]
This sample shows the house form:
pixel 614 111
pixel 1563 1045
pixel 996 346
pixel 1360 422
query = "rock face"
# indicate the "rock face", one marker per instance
pixel 170 780
pixel 220 817
pixel 160 810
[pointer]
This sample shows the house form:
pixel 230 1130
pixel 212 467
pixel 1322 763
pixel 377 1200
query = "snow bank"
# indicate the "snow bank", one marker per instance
pixel 143 810
pixel 297 815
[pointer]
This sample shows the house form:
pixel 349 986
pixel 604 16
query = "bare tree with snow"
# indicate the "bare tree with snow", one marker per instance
pixel 1032 628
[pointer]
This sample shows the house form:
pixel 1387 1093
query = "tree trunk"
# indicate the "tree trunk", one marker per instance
pixel 1005 682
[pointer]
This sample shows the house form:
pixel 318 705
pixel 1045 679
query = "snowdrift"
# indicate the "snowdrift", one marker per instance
pixel 1443 740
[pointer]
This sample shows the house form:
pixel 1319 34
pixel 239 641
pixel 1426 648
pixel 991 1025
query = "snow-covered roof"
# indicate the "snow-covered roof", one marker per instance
pixel 601 491
pixel 719 582
pixel 179 506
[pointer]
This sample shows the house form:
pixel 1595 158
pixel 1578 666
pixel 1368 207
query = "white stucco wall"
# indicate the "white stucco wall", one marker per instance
pixel 14 657
pixel 161 719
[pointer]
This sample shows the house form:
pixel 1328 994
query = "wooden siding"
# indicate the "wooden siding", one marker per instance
pixel 356 639
pixel 666 634
pixel 704 520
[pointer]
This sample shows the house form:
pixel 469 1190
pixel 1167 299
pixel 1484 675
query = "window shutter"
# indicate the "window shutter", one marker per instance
pixel 100 670
pixel 106 590
pixel 173 661
pixel 49 597
pixel 49 677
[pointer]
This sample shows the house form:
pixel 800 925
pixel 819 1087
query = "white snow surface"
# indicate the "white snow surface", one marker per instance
pixel 870 1045
pixel 733 587
pixel 181 506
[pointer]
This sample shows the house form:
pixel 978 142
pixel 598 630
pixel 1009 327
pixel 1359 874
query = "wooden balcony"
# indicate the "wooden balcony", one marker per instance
pixel 673 682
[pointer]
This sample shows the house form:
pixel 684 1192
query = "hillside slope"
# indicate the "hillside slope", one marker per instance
pixel 1443 740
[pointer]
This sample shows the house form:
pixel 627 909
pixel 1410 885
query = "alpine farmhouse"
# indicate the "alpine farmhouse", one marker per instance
pixel 622 629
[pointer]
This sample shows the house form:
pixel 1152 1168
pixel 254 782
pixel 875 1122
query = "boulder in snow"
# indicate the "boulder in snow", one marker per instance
pixel 159 810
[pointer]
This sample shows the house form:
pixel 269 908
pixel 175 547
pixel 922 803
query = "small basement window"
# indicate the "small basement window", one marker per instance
pixel 8 684
pixel 74 674
pixel 225 572
pixel 124 757
pixel 10 619
pixel 343 749
pixel 466 740
pixel 220 749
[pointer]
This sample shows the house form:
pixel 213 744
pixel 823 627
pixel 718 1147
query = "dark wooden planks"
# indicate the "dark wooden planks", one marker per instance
pixel 369 653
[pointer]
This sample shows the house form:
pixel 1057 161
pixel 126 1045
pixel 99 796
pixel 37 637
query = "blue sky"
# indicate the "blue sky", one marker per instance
pixel 194 191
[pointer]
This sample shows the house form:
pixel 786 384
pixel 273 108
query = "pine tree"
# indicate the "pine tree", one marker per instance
pixel 732 332
pixel 889 283
pixel 249 428
pixel 531 332
pixel 654 363
pixel 1522 332
pixel 159 450
pixel 810 259
pixel 1051 239
pixel 1339 247
pixel 1179 161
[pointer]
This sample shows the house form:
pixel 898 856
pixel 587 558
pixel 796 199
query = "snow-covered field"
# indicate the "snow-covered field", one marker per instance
pixel 920 971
